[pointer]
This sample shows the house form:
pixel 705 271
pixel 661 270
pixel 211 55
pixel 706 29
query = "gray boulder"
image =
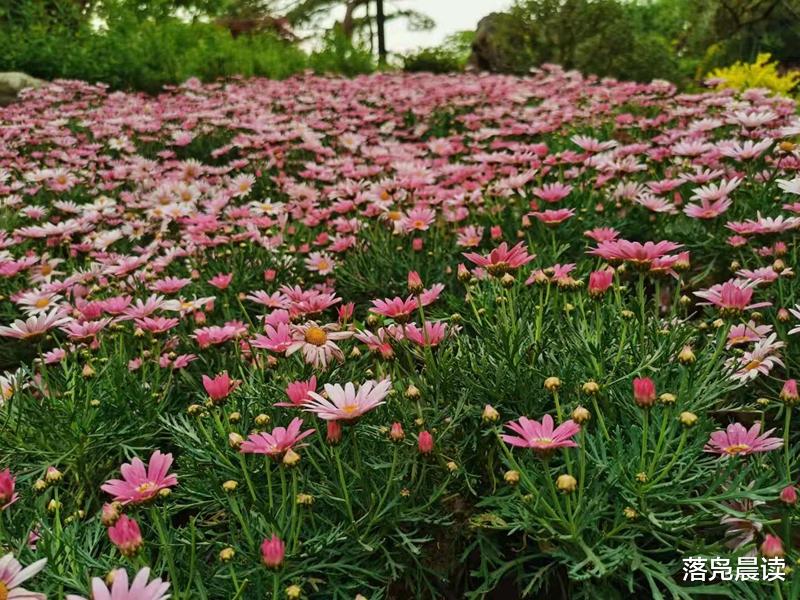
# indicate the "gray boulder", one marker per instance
pixel 496 46
pixel 11 83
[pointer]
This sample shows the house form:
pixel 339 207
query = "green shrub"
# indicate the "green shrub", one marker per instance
pixel 452 55
pixel 145 53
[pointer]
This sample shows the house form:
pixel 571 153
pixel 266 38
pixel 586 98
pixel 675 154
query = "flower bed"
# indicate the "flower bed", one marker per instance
pixel 398 336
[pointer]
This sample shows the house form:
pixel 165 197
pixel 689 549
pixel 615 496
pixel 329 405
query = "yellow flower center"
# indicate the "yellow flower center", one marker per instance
pixel 46 270
pixel 544 440
pixel 146 487
pixel 394 215
pixel 3 591
pixel 753 364
pixel 349 408
pixel 316 336
pixel 419 224
pixel 323 265
pixel 42 303
pixel 736 449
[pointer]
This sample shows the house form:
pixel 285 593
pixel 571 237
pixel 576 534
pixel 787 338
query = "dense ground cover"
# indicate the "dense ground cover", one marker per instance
pixel 397 336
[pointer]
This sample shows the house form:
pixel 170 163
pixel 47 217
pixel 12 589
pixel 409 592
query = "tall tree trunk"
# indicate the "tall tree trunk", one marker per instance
pixel 381 19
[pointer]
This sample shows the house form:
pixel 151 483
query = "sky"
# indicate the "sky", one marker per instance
pixel 450 16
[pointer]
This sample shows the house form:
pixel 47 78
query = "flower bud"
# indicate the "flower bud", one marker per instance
pixel 334 429
pixel 415 285
pixel 293 592
pixel 551 384
pixel 789 495
pixel 772 547
pixel 52 475
pixel 126 536
pixel 667 398
pixel 580 415
pixel 511 477
pixel 262 420
pixel 686 356
pixel 304 499
pixel 590 388
pixel 789 393
pixel 230 485
pixel 227 554
pixel 566 483
pixel 273 551
pixel 110 513
pixel 425 442
pixel 688 419
pixel 291 458
pixel 490 414
pixel 235 440
pixel 644 391
pixel 412 392
pixel 507 280
pixel 396 433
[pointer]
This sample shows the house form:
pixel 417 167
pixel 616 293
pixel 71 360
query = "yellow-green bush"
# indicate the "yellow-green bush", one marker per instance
pixel 759 74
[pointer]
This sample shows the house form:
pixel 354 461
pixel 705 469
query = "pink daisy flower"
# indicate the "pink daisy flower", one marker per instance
pixel 140 588
pixel 13 575
pixel 541 437
pixel 501 260
pixel 140 484
pixel 735 440
pixel 347 404
pixel 276 443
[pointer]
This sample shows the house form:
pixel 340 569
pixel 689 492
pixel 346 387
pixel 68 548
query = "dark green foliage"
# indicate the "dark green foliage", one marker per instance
pixel 146 53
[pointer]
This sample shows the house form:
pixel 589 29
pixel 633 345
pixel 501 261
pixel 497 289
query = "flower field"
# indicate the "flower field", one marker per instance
pixel 400 336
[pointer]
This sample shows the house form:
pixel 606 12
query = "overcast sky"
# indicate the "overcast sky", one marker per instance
pixel 450 16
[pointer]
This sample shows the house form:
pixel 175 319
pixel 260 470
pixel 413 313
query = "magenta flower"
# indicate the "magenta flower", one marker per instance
pixel 738 441
pixel 140 484
pixel 7 494
pixel 219 387
pixel 273 551
pixel 395 308
pixel 501 260
pixel 732 297
pixel 638 254
pixel 277 443
pixel 554 217
pixel 126 536
pixel 541 437
pixel 298 392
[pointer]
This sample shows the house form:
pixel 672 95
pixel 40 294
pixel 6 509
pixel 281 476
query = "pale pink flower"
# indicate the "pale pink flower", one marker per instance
pixel 140 589
pixel 13 575
pixel 347 404
pixel 317 343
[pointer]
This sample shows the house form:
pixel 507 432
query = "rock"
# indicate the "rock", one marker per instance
pixel 489 52
pixel 11 83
